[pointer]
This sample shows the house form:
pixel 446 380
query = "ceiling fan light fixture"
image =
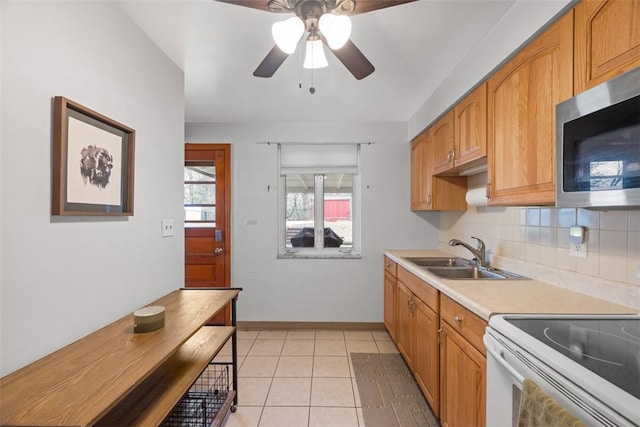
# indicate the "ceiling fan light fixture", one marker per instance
pixel 287 33
pixel 314 56
pixel 335 28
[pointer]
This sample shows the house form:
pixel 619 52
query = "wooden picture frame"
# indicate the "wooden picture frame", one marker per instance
pixel 93 162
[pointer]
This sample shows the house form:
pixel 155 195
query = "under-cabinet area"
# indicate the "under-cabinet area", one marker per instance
pixel 117 377
pixel 438 326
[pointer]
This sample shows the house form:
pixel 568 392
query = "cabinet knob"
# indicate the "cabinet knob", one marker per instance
pixel 458 319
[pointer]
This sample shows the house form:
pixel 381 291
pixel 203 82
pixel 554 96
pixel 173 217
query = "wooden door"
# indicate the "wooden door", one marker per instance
pixel 390 304
pixel 443 140
pixel 404 317
pixel 607 40
pixel 427 357
pixel 419 184
pixel 462 381
pixel 208 218
pixel 470 130
pixel 522 98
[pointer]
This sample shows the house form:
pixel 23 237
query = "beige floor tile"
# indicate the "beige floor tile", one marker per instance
pixel 272 335
pixel 295 366
pixel 330 348
pixel 274 416
pixel 243 347
pixel 333 417
pixel 253 391
pixel 266 348
pixel 258 366
pixel 245 416
pixel 331 366
pixel 329 335
pixel 289 392
pixel 248 335
pixel 362 347
pixel 298 348
pixel 387 347
pixel 360 417
pixel 358 335
pixel 336 392
pixel 381 336
pixel 301 334
pixel 356 392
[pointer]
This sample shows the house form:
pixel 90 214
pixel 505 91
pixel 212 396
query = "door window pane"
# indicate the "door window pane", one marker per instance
pixel 338 206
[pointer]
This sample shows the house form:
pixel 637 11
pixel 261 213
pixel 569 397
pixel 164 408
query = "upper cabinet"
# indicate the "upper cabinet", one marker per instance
pixel 461 134
pixel 607 40
pixel 521 99
pixel 430 192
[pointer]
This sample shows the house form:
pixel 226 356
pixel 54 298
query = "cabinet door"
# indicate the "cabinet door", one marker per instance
pixel 470 127
pixel 443 140
pixel 390 304
pixel 522 96
pixel 427 357
pixel 404 327
pixel 607 40
pixel 462 381
pixel 420 174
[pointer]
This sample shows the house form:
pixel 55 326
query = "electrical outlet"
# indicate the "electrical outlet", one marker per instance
pixel 167 227
pixel 578 249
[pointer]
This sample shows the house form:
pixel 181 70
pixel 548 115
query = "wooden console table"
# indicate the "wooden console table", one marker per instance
pixel 117 377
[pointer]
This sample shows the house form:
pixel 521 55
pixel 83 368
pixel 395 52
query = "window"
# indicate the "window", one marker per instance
pixel 319 191
pixel 199 196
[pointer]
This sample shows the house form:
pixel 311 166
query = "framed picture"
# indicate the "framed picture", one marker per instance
pixel 93 162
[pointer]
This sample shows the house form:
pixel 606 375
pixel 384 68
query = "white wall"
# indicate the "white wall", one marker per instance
pixel 316 290
pixel 62 278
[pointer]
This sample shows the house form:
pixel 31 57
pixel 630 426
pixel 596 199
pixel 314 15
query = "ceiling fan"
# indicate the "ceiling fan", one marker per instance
pixel 322 22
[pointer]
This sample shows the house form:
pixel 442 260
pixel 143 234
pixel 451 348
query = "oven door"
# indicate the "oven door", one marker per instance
pixel 508 364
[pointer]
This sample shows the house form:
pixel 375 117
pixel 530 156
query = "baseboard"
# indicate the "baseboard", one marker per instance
pixel 347 326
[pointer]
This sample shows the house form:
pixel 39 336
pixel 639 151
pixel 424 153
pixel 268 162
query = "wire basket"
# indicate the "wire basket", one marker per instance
pixel 200 405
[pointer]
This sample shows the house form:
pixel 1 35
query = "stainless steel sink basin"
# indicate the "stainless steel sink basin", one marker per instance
pixel 438 261
pixel 473 273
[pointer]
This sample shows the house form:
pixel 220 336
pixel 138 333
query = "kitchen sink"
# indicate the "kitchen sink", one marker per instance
pixel 438 261
pixel 473 273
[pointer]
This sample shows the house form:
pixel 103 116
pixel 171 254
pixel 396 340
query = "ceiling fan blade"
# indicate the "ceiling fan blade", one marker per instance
pixel 270 63
pixel 363 6
pixel 353 59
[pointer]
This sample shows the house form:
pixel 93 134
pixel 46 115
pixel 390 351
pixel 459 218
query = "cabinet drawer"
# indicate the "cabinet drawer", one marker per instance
pixel 463 321
pixel 390 266
pixel 421 289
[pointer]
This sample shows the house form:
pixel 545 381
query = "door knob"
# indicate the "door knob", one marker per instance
pixel 218 251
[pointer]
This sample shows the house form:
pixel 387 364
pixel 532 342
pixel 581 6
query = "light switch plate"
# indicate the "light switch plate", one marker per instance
pixel 167 227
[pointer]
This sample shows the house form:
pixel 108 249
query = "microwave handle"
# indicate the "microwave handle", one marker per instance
pixel 497 354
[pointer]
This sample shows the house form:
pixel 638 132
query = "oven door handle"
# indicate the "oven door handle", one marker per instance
pixel 498 355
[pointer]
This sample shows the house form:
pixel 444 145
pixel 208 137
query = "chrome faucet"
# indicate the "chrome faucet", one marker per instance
pixel 479 253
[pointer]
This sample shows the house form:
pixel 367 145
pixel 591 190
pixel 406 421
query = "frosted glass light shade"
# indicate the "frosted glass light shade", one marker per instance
pixel 314 56
pixel 287 33
pixel 336 29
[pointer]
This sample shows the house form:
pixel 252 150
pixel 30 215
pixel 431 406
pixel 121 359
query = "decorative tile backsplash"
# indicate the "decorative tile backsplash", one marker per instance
pixel 534 241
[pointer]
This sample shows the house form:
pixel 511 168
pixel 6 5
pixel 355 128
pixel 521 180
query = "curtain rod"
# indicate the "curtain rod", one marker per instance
pixel 313 143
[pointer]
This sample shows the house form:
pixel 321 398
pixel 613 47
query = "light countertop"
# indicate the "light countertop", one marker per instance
pixel 488 297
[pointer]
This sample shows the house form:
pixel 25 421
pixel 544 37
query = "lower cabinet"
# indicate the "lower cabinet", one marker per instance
pixel 441 341
pixel 463 365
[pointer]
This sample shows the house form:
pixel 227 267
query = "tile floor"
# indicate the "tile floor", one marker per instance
pixel 300 378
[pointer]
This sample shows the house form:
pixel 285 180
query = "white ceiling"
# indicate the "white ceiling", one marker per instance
pixel 413 47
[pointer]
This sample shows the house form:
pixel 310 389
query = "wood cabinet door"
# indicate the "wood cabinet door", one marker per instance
pixel 462 381
pixel 390 304
pixel 470 127
pixel 607 40
pixel 522 96
pixel 404 327
pixel 443 140
pixel 420 178
pixel 427 358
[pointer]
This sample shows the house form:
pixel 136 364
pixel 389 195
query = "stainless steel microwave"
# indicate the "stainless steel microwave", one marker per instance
pixel 598 146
